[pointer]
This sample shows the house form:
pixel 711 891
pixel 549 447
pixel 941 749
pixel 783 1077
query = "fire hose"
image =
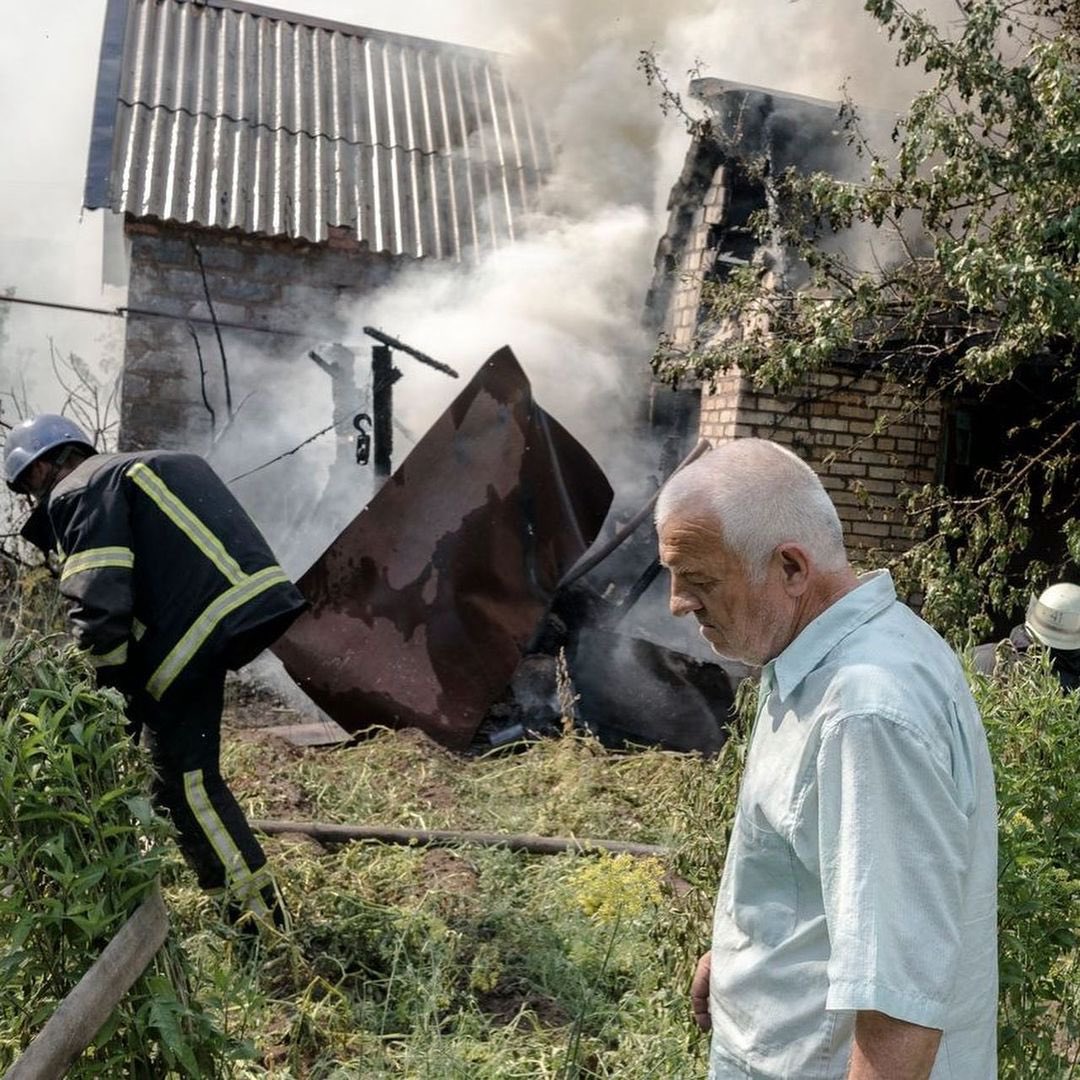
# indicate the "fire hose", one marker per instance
pixel 534 845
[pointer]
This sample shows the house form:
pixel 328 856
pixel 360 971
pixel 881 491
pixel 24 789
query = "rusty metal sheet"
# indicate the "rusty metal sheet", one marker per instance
pixel 422 606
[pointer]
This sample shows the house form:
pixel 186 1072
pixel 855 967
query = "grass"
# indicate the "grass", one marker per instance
pixel 482 963
pixel 414 962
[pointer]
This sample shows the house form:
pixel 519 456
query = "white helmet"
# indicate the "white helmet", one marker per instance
pixel 1053 617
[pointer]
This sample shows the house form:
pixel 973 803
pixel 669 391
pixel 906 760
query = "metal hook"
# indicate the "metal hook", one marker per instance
pixel 363 438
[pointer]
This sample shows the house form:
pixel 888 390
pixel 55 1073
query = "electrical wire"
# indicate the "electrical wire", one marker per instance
pixel 123 312
pixel 310 439
pixel 288 453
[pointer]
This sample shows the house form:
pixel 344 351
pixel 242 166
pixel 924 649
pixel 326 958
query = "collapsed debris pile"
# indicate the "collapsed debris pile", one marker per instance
pixel 445 604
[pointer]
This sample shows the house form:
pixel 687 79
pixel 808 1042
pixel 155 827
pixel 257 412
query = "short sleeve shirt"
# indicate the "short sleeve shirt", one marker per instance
pixel 862 867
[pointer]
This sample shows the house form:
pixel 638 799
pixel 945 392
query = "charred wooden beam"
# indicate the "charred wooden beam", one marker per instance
pixel 383 377
pixel 593 559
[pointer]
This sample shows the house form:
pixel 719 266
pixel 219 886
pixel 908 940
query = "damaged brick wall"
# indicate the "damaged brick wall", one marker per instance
pixel 694 206
pixel 868 440
pixel 867 437
pixel 273 298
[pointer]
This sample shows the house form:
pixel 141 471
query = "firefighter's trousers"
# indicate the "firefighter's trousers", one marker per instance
pixel 182 735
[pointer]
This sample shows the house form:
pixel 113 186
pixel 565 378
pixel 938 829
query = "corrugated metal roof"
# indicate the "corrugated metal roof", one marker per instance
pixel 238 117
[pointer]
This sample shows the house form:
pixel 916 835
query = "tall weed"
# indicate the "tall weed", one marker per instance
pixel 1034 731
pixel 82 849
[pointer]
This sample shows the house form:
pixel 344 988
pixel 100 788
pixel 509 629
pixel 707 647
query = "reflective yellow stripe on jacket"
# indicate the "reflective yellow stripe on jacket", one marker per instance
pixel 109 659
pixel 188 645
pixel 186 521
pixel 97 559
pixel 241 879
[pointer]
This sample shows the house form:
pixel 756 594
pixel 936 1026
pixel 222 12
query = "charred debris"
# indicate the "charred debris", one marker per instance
pixel 488 588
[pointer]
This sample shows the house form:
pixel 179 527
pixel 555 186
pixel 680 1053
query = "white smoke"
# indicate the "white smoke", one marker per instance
pixel 810 47
pixel 568 298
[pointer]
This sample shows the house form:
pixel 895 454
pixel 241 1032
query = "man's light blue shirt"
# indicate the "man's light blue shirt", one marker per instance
pixel 862 867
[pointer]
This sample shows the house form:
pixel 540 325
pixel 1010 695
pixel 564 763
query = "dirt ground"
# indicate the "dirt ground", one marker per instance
pixel 255 719
pixel 248 705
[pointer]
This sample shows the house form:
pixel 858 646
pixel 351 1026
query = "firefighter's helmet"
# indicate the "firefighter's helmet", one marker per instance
pixel 26 442
pixel 1053 617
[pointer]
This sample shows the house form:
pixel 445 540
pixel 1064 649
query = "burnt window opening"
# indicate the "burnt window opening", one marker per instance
pixel 732 241
pixel 984 428
pixel 957 450
pixel 991 432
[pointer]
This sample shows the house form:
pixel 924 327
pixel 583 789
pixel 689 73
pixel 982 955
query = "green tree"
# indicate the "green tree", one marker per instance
pixel 979 190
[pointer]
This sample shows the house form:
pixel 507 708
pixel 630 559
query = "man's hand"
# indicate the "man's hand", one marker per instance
pixel 890 1049
pixel 699 993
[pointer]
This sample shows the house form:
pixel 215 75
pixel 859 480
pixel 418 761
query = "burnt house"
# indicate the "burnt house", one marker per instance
pixel 866 435
pixel 269 170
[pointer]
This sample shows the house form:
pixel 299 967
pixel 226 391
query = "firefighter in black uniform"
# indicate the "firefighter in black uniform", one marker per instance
pixel 1053 622
pixel 171 584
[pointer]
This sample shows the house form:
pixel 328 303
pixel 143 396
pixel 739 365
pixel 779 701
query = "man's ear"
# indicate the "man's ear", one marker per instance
pixel 794 568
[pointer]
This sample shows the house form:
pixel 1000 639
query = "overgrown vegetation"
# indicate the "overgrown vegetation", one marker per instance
pixel 476 962
pixel 976 198
pixel 82 847
pixel 468 963
pixel 1033 727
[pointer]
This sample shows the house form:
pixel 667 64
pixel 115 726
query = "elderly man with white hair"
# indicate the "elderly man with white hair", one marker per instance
pixel 855 927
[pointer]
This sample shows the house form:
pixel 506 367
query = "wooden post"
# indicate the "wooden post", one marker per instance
pixel 79 1017
pixel 383 377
